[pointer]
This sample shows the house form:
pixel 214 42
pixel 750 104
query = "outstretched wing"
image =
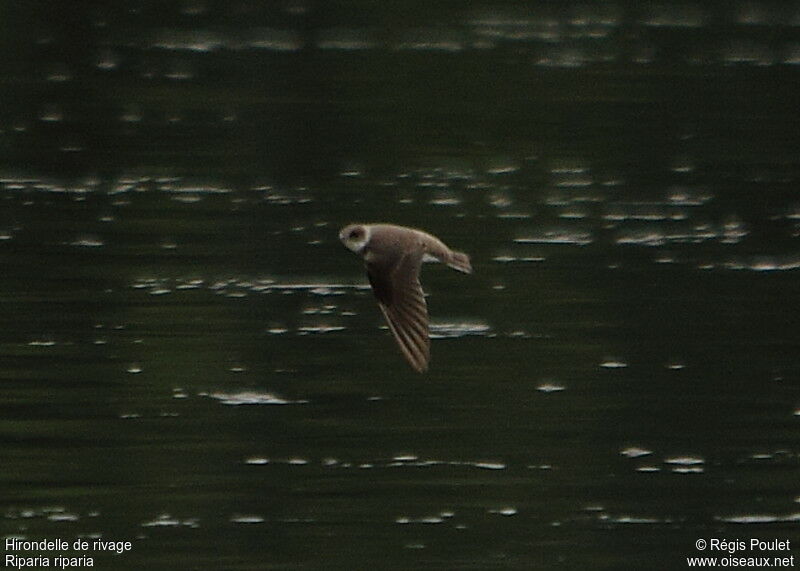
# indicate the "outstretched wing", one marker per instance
pixel 402 302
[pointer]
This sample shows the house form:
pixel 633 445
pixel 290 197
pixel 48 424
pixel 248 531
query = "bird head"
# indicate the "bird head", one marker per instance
pixel 355 237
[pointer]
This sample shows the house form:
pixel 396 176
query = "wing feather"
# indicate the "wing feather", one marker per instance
pixel 414 347
pixel 402 302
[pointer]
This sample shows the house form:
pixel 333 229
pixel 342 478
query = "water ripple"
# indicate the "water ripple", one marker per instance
pixel 760 518
pixel 247 519
pixel 249 398
pixel 566 236
pixel 454 329
pixel 167 520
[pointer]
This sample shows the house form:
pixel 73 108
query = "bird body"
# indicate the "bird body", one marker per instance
pixel 393 256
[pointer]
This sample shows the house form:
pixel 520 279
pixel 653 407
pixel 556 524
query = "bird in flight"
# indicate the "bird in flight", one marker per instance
pixel 393 256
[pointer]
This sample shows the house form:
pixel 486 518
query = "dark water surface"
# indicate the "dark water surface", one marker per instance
pixel 190 361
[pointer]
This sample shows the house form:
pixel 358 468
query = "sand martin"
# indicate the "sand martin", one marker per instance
pixel 393 256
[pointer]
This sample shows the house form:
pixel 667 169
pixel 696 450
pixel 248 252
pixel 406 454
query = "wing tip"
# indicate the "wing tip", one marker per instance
pixel 416 355
pixel 420 368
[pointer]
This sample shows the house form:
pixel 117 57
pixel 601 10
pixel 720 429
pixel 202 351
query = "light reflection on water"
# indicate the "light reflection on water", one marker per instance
pixel 190 357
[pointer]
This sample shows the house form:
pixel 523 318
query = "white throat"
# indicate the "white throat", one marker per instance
pixel 357 245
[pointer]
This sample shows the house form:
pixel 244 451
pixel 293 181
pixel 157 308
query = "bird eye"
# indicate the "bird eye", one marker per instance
pixel 354 233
